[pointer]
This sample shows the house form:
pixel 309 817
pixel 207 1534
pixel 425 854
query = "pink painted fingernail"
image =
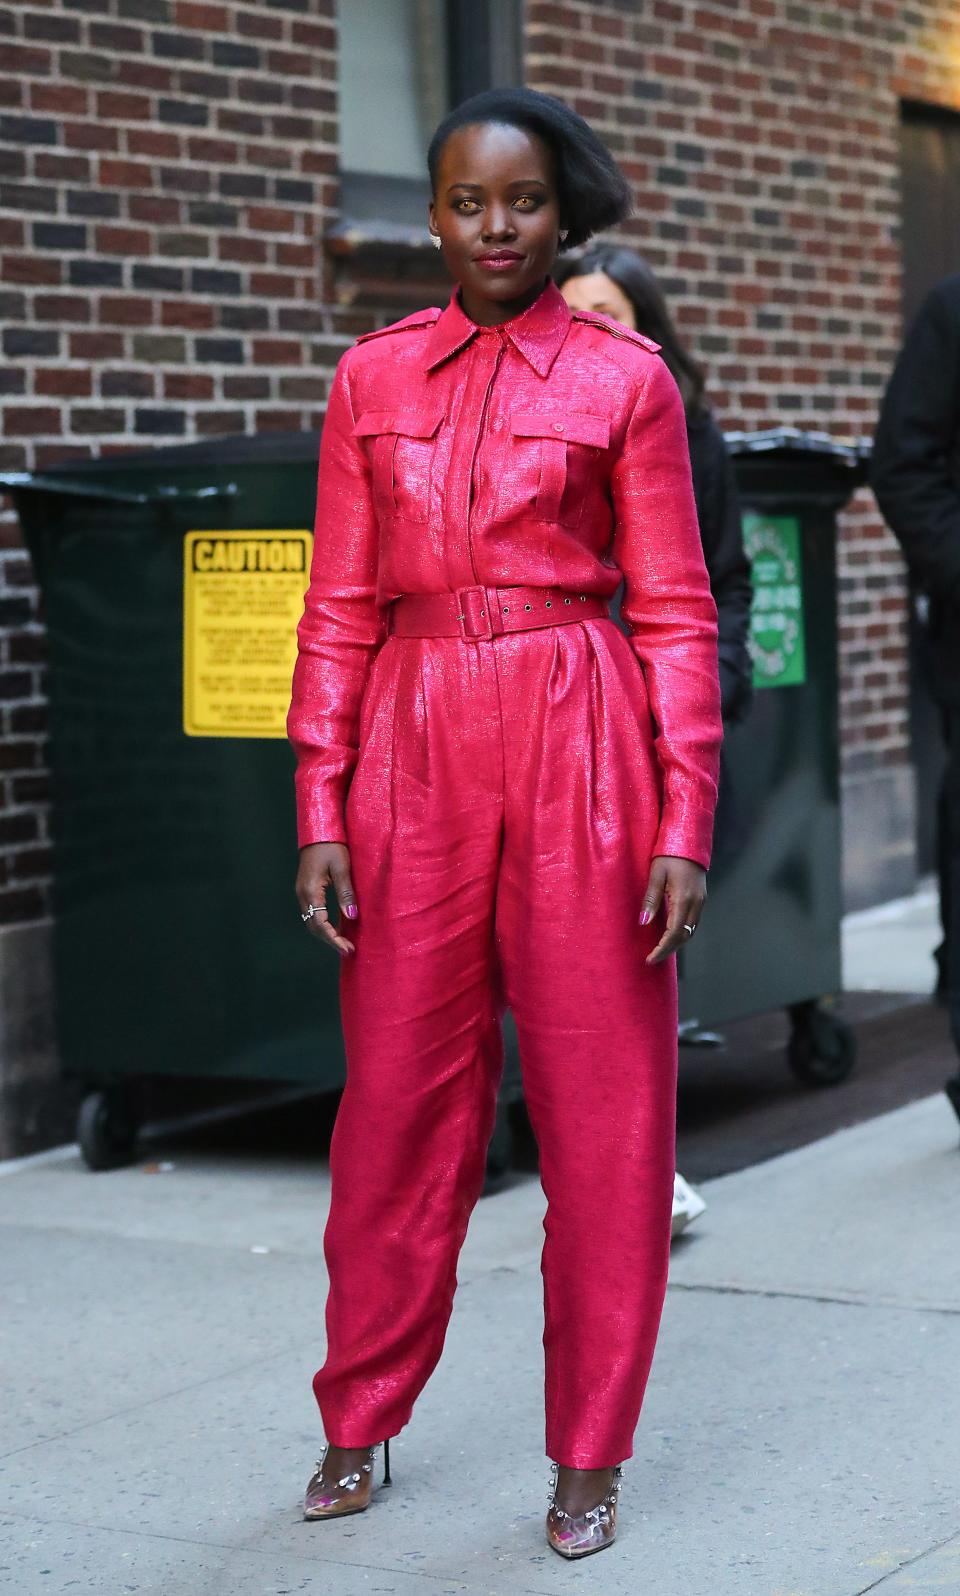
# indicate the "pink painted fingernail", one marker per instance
pixel 646 917
pixel 350 910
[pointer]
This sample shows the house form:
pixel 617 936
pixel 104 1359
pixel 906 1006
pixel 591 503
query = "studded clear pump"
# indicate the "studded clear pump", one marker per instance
pixel 351 1494
pixel 580 1534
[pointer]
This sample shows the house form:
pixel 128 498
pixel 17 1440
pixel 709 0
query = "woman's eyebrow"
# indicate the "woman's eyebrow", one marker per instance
pixel 518 182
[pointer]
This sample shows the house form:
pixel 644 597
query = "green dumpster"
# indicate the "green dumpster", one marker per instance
pixel 171 582
pixel 771 934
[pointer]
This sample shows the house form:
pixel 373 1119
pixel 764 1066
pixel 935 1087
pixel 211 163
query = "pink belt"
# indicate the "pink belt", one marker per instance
pixel 485 612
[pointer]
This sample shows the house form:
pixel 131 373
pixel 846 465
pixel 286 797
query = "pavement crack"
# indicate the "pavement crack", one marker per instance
pixel 948 1310
pixel 149 1402
pixel 263 1552
pixel 909 1562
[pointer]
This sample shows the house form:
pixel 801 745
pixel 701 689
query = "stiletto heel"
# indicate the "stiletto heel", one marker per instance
pixel 351 1494
pixel 579 1534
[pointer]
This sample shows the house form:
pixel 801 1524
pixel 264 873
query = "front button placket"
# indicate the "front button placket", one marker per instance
pixel 485 355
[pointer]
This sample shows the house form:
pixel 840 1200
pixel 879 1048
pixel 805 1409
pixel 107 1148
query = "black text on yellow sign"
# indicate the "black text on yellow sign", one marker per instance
pixel 242 599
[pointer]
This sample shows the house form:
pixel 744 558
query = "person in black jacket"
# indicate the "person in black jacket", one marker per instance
pixel 618 282
pixel 915 474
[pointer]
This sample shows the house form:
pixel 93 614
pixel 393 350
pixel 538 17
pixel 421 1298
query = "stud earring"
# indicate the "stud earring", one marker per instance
pixel 564 233
pixel 435 241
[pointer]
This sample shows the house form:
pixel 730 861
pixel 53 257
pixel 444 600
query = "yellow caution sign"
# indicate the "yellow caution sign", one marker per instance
pixel 242 599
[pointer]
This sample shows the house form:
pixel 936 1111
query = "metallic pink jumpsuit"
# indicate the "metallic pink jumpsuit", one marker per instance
pixel 502 798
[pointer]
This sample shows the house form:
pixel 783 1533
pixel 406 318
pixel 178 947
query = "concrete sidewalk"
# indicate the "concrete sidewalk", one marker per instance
pixel 800 1436
pixel 890 948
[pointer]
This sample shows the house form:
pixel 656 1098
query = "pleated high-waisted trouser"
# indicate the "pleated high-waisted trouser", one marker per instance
pixel 500 820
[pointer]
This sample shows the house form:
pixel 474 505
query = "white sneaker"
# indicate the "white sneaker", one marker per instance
pixel 688 1205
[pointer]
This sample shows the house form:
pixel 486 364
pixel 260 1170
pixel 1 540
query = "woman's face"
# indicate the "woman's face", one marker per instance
pixel 598 292
pixel 497 215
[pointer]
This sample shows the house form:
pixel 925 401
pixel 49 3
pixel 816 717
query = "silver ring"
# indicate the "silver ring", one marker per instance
pixel 689 930
pixel 311 911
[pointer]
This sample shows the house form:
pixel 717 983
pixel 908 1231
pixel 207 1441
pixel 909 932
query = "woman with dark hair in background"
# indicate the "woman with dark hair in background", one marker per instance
pixel 618 282
pixel 512 802
pixel 614 281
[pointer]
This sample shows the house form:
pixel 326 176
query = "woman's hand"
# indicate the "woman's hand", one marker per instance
pixel 683 884
pixel 325 864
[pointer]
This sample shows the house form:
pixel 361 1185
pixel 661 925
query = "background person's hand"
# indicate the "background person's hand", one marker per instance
pixel 323 865
pixel 682 885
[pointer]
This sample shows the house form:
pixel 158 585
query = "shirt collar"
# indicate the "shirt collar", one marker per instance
pixel 538 332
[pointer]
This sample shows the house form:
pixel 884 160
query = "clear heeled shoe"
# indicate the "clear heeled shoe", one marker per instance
pixel 580 1534
pixel 351 1494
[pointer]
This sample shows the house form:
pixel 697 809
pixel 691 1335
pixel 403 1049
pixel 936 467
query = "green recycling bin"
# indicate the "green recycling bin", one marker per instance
pixel 771 935
pixel 172 581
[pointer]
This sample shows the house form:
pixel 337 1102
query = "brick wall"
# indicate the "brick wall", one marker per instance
pixel 762 140
pixel 165 173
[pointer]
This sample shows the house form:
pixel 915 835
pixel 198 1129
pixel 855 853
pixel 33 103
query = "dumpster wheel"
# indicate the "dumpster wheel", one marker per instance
pixel 823 1047
pixel 107 1129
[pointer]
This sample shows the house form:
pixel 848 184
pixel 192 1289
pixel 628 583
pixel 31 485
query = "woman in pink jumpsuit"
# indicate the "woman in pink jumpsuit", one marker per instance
pixel 512 801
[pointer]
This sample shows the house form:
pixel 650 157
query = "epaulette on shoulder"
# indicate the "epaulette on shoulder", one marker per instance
pixel 616 329
pixel 420 318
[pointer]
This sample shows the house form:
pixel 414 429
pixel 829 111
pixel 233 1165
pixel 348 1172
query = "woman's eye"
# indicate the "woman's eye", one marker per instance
pixel 528 201
pixel 468 202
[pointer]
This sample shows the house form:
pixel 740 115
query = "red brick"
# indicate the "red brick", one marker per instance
pixel 125 107
pixel 90 136
pixel 126 310
pixel 65 382
pixel 235 247
pixel 296 254
pixel 69 99
pixel 123 241
pixel 277 352
pixel 30 269
pixel 211 18
pixel 193 314
pixel 266 219
pixel 57 168
pixel 61 307
pixel 314 35
pixel 125 174
pixel 258 25
pixel 214 152
pixel 187 385
pixel 29 421
pixel 278 420
pixel 153 208
pixel 25 60
pixel 274 285
pixel 97 346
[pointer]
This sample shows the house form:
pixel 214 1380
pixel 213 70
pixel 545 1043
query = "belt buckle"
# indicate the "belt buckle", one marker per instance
pixel 474 614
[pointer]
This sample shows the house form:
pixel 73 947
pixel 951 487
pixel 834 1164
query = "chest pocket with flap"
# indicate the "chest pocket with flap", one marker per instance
pixel 401 457
pixel 561 458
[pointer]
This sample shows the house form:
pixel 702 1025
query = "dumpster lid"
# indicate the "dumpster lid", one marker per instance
pixel 794 441
pixel 91 478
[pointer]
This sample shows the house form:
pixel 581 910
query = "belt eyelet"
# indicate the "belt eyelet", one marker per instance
pixel 506 609
pixel 528 606
pixel 549 604
pixel 566 601
pixel 583 598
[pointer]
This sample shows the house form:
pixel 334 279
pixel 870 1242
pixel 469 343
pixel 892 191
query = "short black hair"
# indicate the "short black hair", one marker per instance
pixel 593 191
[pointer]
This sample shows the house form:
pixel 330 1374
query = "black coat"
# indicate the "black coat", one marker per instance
pixel 718 507
pixel 915 472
